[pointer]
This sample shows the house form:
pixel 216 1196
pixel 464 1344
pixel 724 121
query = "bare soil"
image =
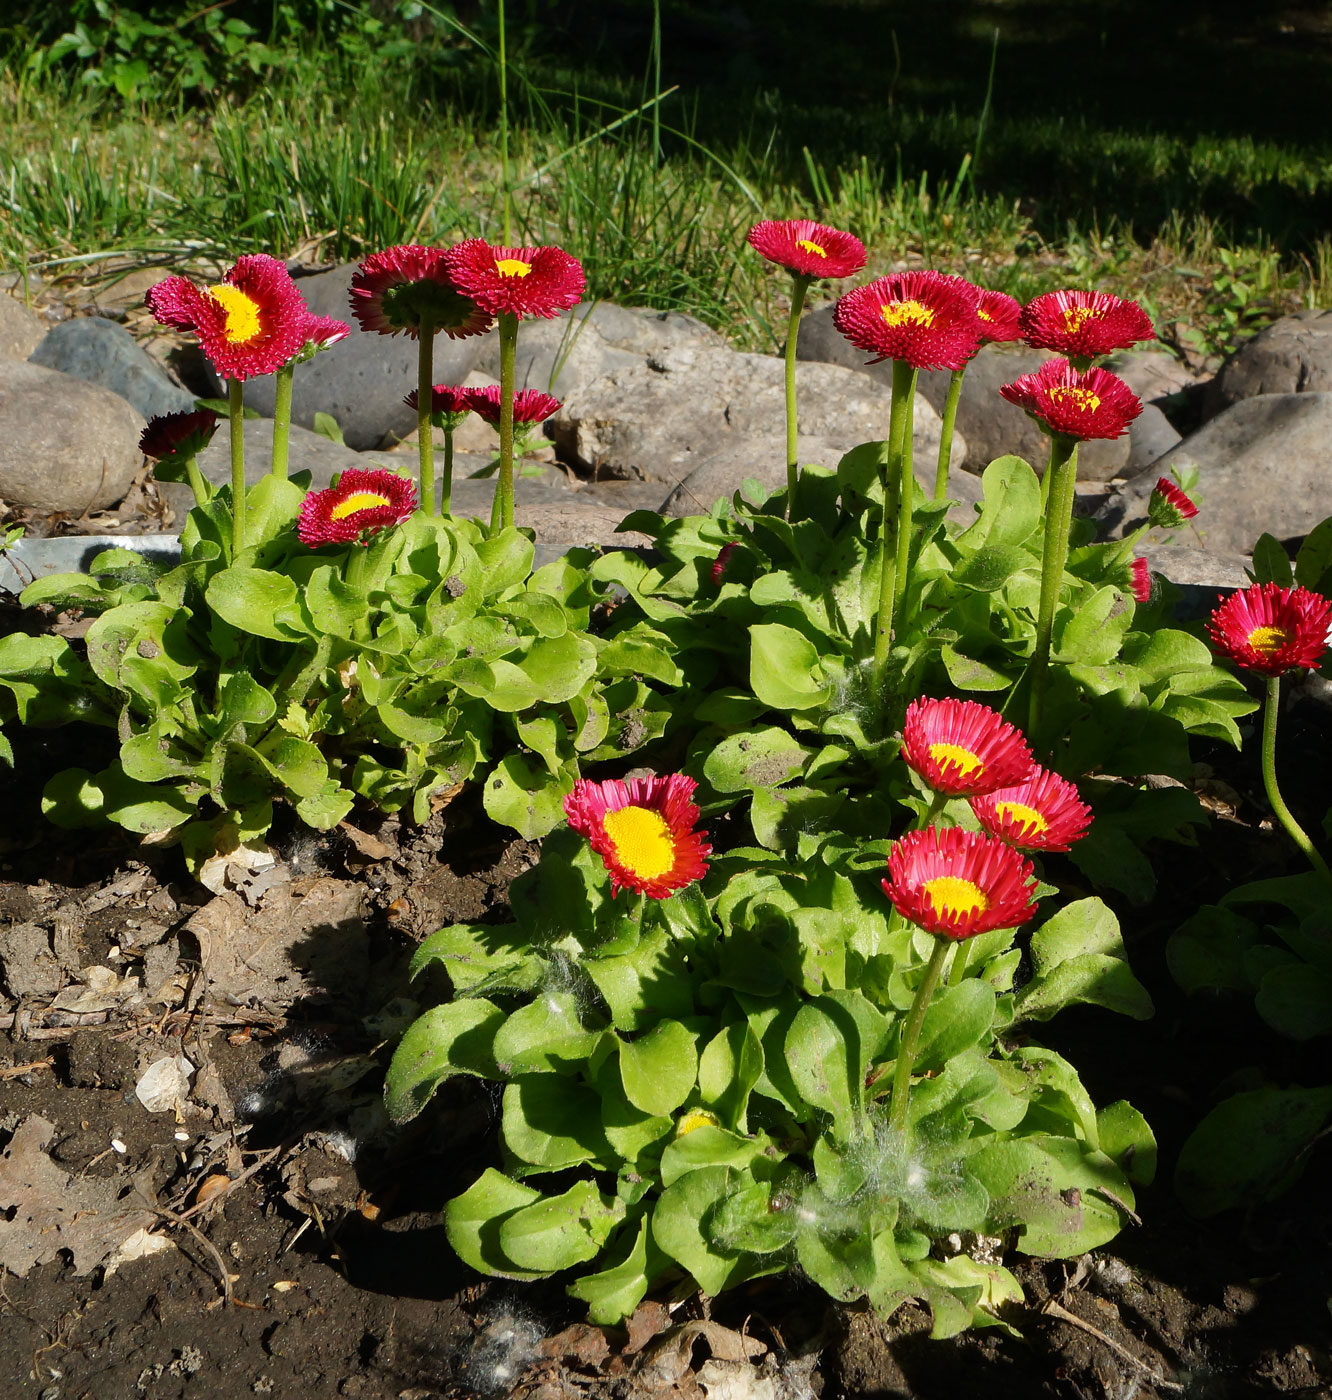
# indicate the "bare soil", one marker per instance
pixel 301 1253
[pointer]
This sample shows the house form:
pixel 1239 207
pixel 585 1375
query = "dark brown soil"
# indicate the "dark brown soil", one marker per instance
pixel 319 1267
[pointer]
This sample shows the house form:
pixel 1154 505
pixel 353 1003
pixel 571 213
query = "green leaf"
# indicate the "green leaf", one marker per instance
pixel 966 673
pixel 1090 632
pixel 678 1228
pixel 559 667
pixel 642 986
pixel 1207 952
pixel 1296 1000
pixel 784 668
pixel 659 1067
pixel 612 1294
pixel 1011 511
pixel 455 1038
pixel 990 567
pixel 529 799
pixel 1078 956
pixel 728 1069
pixel 956 1020
pixel 823 1053
pixel 1052 1190
pixel 1128 1141
pixel 558 1232
pixel 254 600
pixel 480 958
pixel 551 1122
pixel 546 1034
pixel 757 758
pixel 472 1223
pixel 1251 1148
pixel 327 426
pixel 506 560
pixel 751 1221
pixel 1314 559
pixel 1271 563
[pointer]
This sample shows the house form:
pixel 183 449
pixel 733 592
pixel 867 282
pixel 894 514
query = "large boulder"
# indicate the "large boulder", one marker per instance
pixel 101 352
pixel 1291 356
pixel 659 420
pixel 990 425
pixel 565 354
pixel 21 330
pixel 65 445
pixel 362 380
pixel 1265 464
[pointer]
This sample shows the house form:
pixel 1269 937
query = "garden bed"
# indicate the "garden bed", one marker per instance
pixel 338 1279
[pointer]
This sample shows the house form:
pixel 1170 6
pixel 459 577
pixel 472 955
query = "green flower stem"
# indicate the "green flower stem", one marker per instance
pixel 446 486
pixel 799 287
pixel 906 1054
pixel 957 969
pixel 236 411
pixel 356 563
pixel 1062 473
pixel 425 398
pixel 1283 813
pixel 906 493
pixel 508 334
pixel 282 420
pixel 946 434
pixel 903 386
pixel 196 479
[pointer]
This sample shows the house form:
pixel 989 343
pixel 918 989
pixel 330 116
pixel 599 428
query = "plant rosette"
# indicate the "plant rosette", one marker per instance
pixel 417 657
pixel 704 1080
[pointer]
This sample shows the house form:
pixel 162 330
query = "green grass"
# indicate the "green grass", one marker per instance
pixel 655 197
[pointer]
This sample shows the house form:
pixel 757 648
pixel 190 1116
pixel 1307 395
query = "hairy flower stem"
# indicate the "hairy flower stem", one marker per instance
pixel 799 289
pixel 906 1054
pixel 957 969
pixel 501 517
pixel 1283 813
pixel 425 398
pixel 236 411
pixel 196 479
pixel 282 420
pixel 904 380
pixel 906 495
pixel 1062 474
pixel 446 486
pixel 946 434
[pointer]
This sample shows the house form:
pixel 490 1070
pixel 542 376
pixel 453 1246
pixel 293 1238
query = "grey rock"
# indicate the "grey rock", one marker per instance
pixel 1265 464
pixel 1151 374
pixel 1291 356
pixel 65 445
pixel 21 330
pixel 990 426
pixel 659 420
pixel 762 459
pixel 102 352
pixel 363 379
pixel 27 965
pixel 575 524
pixel 1151 436
pixel 1202 576
pixel 566 354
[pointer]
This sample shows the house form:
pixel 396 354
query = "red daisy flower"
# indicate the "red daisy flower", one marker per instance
pixel 178 434
pixel 1044 813
pixel 1000 317
pixel 963 748
pixel 356 507
pixel 808 249
pixel 519 281
pixel 958 883
pixel 529 405
pixel 643 829
pixel 1169 507
pixel 1272 630
pixel 1084 325
pixel 451 400
pixel 1075 403
pixel 252 322
pixel 925 318
pixel 1141 581
pixel 721 561
pixel 395 290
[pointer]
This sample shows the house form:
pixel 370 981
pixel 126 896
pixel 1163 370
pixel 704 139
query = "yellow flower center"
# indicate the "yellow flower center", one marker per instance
pixel 512 267
pixel 642 840
pixel 1075 396
pixel 1075 317
pixel 1021 813
pixel 242 313
pixel 1268 640
pixel 696 1118
pixel 965 761
pixel 951 895
pixel 908 313
pixel 984 315
pixel 811 247
pixel 358 500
